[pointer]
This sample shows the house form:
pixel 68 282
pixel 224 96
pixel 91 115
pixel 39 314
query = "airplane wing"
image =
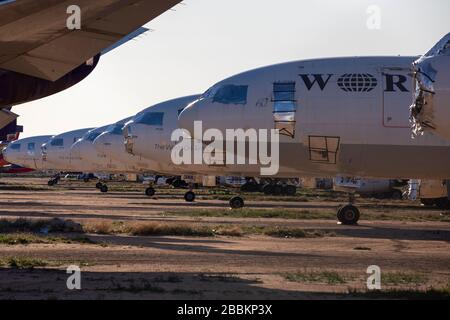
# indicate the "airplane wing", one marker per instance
pixel 35 39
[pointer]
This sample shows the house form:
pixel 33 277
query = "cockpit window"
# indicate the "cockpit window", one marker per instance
pixel 92 136
pixel 116 129
pixel 231 94
pixel 57 142
pixel 15 147
pixel 151 118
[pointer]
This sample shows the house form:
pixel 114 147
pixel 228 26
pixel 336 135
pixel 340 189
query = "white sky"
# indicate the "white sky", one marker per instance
pixel 205 41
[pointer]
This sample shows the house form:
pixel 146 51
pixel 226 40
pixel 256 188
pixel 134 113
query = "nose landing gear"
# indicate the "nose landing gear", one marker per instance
pixel 237 203
pixel 349 214
pixel 102 187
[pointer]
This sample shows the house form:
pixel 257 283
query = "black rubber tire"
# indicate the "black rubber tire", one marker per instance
pixel 150 192
pixel 349 215
pixel 189 196
pixel 277 190
pixel 237 203
pixel 268 189
pixel 98 185
pixel 104 188
pixel 397 195
pixel 51 183
pixel 290 190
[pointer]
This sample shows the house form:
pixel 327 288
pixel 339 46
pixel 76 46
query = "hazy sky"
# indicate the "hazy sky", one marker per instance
pixel 204 41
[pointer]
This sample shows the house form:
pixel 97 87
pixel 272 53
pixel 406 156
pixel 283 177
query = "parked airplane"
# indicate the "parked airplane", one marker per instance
pixel 26 152
pixel 431 109
pixel 153 154
pixel 56 151
pixel 337 116
pixel 41 54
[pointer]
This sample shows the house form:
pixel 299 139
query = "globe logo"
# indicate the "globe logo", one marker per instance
pixel 357 82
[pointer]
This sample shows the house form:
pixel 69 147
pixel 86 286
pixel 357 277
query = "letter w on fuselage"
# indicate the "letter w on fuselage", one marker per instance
pixel 317 78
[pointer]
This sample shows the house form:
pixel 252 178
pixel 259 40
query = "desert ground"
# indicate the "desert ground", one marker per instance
pixel 130 246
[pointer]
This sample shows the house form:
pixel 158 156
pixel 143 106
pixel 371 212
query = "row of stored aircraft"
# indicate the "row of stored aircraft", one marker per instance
pixel 335 116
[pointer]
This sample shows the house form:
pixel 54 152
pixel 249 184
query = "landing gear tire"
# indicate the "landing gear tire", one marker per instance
pixel 189 196
pixel 150 192
pixel 348 215
pixel 99 185
pixel 277 190
pixel 237 203
pixel 268 189
pixel 290 190
pixel 104 188
pixel 52 182
pixel 397 195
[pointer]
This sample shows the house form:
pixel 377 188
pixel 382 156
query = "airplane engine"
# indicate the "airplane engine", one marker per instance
pixel 19 88
pixel 431 109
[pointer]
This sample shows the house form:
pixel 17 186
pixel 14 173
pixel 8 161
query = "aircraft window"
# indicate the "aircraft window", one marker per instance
pixel 57 142
pixel 231 94
pixel 15 147
pixel 117 129
pixel 284 107
pixel 92 136
pixel 151 119
pixel 31 146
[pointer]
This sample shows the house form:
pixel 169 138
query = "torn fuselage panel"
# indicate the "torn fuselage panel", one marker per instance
pixel 431 106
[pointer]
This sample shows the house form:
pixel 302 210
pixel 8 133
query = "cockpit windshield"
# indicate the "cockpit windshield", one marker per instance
pixel 92 136
pixel 58 142
pixel 151 119
pixel 227 94
pixel 115 129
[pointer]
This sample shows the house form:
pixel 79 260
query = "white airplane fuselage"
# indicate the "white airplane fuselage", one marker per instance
pixel 337 116
pixel 26 152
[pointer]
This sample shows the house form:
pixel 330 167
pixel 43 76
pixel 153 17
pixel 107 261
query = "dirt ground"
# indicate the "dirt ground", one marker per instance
pixel 413 253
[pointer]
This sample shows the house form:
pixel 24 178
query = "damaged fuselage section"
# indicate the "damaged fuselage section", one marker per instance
pixel 430 111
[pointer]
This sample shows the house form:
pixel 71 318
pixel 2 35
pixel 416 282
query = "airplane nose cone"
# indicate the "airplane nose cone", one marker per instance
pixel 187 118
pixel 7 155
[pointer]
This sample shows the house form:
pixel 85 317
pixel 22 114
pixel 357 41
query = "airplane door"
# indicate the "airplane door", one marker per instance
pixel 397 97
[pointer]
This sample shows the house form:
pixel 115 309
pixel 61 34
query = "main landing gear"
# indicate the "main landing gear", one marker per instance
pixel 54 181
pixel 102 187
pixel 349 214
pixel 188 196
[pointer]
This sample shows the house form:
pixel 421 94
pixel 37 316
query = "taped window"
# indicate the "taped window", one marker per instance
pixel 284 107
pixel 324 149
pixel 57 142
pixel 231 94
pixel 151 119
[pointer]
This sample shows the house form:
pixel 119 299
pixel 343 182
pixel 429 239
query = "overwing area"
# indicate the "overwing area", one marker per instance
pixel 35 39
